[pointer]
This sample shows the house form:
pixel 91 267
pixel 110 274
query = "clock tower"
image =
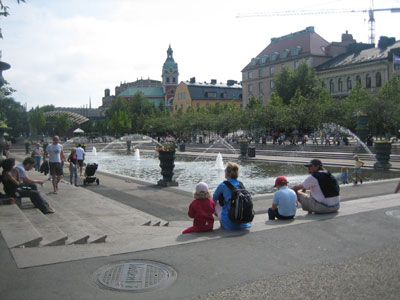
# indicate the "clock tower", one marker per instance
pixel 170 76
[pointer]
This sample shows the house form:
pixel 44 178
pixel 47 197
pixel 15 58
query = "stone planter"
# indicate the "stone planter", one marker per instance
pixel 383 151
pixel 167 165
pixel 244 148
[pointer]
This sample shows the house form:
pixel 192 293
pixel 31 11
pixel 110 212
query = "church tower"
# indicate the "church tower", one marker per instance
pixel 170 76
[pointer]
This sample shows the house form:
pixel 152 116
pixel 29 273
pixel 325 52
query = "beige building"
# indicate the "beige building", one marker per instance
pixel 197 94
pixel 289 50
pixel 372 68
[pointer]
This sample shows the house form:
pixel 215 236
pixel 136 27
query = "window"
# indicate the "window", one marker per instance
pixel 260 73
pixel 171 91
pixel 260 89
pixel 264 59
pixel 323 84
pixel 331 86
pixel 349 86
pixel 182 106
pixel 284 53
pixel 358 79
pixel 378 79
pixel 211 94
pixel 167 79
pixel 308 61
pixel 296 64
pixel 296 50
pixel 271 84
pixel 368 81
pixel 261 98
pixel 223 95
pixel 197 105
pixel 274 56
pixel 249 88
pixel 271 70
pixel 250 75
pixel 340 85
pixel 173 79
pixel 396 66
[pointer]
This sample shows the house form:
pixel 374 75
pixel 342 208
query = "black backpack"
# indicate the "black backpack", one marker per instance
pixel 328 184
pixel 241 210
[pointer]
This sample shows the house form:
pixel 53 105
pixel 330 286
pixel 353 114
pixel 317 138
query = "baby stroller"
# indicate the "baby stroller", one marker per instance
pixel 90 171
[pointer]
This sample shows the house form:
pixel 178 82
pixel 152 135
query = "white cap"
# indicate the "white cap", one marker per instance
pixel 201 187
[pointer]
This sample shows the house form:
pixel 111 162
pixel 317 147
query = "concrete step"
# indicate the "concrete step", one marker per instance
pixel 79 230
pixel 17 230
pixel 51 233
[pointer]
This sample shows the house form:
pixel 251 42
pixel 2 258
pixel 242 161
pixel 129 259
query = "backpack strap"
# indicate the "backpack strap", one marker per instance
pixel 229 185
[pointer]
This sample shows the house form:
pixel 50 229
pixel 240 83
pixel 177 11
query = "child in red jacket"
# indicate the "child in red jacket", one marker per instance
pixel 201 210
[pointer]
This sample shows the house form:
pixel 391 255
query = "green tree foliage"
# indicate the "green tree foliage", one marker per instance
pixel 37 119
pixel 303 79
pixel 120 122
pixel 63 124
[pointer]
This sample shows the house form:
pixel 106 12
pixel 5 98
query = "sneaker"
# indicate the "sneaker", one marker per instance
pixel 50 211
pixel 361 181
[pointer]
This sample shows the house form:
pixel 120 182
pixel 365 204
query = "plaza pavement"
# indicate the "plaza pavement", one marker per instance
pixel 350 255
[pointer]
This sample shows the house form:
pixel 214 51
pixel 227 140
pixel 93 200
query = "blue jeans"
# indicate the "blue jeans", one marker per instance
pixel 73 172
pixel 38 158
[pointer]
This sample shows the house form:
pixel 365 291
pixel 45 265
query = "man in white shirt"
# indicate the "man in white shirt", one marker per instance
pixel 80 157
pixel 54 150
pixel 324 190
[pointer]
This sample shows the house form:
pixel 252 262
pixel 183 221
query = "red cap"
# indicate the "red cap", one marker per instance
pixel 279 180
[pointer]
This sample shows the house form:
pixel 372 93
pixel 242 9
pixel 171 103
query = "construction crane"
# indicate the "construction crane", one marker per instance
pixel 371 11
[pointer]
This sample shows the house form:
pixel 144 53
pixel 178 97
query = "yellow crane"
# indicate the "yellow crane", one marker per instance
pixel 371 11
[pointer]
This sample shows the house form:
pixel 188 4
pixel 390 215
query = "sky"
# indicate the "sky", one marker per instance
pixel 67 52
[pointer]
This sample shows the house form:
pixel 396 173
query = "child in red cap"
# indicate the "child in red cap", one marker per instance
pixel 201 210
pixel 284 202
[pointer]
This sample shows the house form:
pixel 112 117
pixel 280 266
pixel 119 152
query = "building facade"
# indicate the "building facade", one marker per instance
pixel 203 95
pixel 155 91
pixel 372 68
pixel 288 50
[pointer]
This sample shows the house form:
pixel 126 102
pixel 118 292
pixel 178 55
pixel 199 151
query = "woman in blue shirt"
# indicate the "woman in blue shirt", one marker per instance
pixel 231 174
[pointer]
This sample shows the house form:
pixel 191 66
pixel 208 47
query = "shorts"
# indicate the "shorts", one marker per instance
pixel 309 204
pixel 80 162
pixel 357 170
pixel 55 169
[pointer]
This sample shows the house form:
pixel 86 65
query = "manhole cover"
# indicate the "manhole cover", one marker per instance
pixel 135 276
pixel 393 213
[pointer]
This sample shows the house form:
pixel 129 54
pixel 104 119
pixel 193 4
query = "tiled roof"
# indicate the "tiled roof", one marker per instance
pixel 298 44
pixel 205 91
pixel 353 58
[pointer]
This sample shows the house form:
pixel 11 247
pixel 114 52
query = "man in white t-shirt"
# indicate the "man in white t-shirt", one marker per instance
pixel 54 150
pixel 324 190
pixel 80 157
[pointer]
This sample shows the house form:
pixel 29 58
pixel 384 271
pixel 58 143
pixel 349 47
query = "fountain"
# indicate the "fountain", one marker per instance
pixel 136 155
pixel 219 163
pixel 94 151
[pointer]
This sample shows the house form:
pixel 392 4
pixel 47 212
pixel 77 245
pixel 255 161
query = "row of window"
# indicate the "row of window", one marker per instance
pixel 172 79
pixel 271 69
pixel 260 86
pixel 349 84
pixel 274 56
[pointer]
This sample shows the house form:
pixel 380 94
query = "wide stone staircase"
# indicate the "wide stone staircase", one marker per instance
pixel 81 217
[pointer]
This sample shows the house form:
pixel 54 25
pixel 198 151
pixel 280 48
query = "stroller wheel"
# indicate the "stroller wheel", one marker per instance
pixel 97 181
pixel 84 182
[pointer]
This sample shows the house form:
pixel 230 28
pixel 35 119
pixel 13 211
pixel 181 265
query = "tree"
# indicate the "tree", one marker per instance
pixel 303 79
pixel 4 11
pixel 63 124
pixel 120 122
pixel 37 119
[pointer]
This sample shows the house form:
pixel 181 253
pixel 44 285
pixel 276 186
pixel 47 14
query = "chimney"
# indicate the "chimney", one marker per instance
pixel 193 80
pixel 213 81
pixel 231 82
pixel 347 37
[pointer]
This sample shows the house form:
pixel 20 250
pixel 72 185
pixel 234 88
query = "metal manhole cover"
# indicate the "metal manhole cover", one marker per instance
pixel 393 213
pixel 135 276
